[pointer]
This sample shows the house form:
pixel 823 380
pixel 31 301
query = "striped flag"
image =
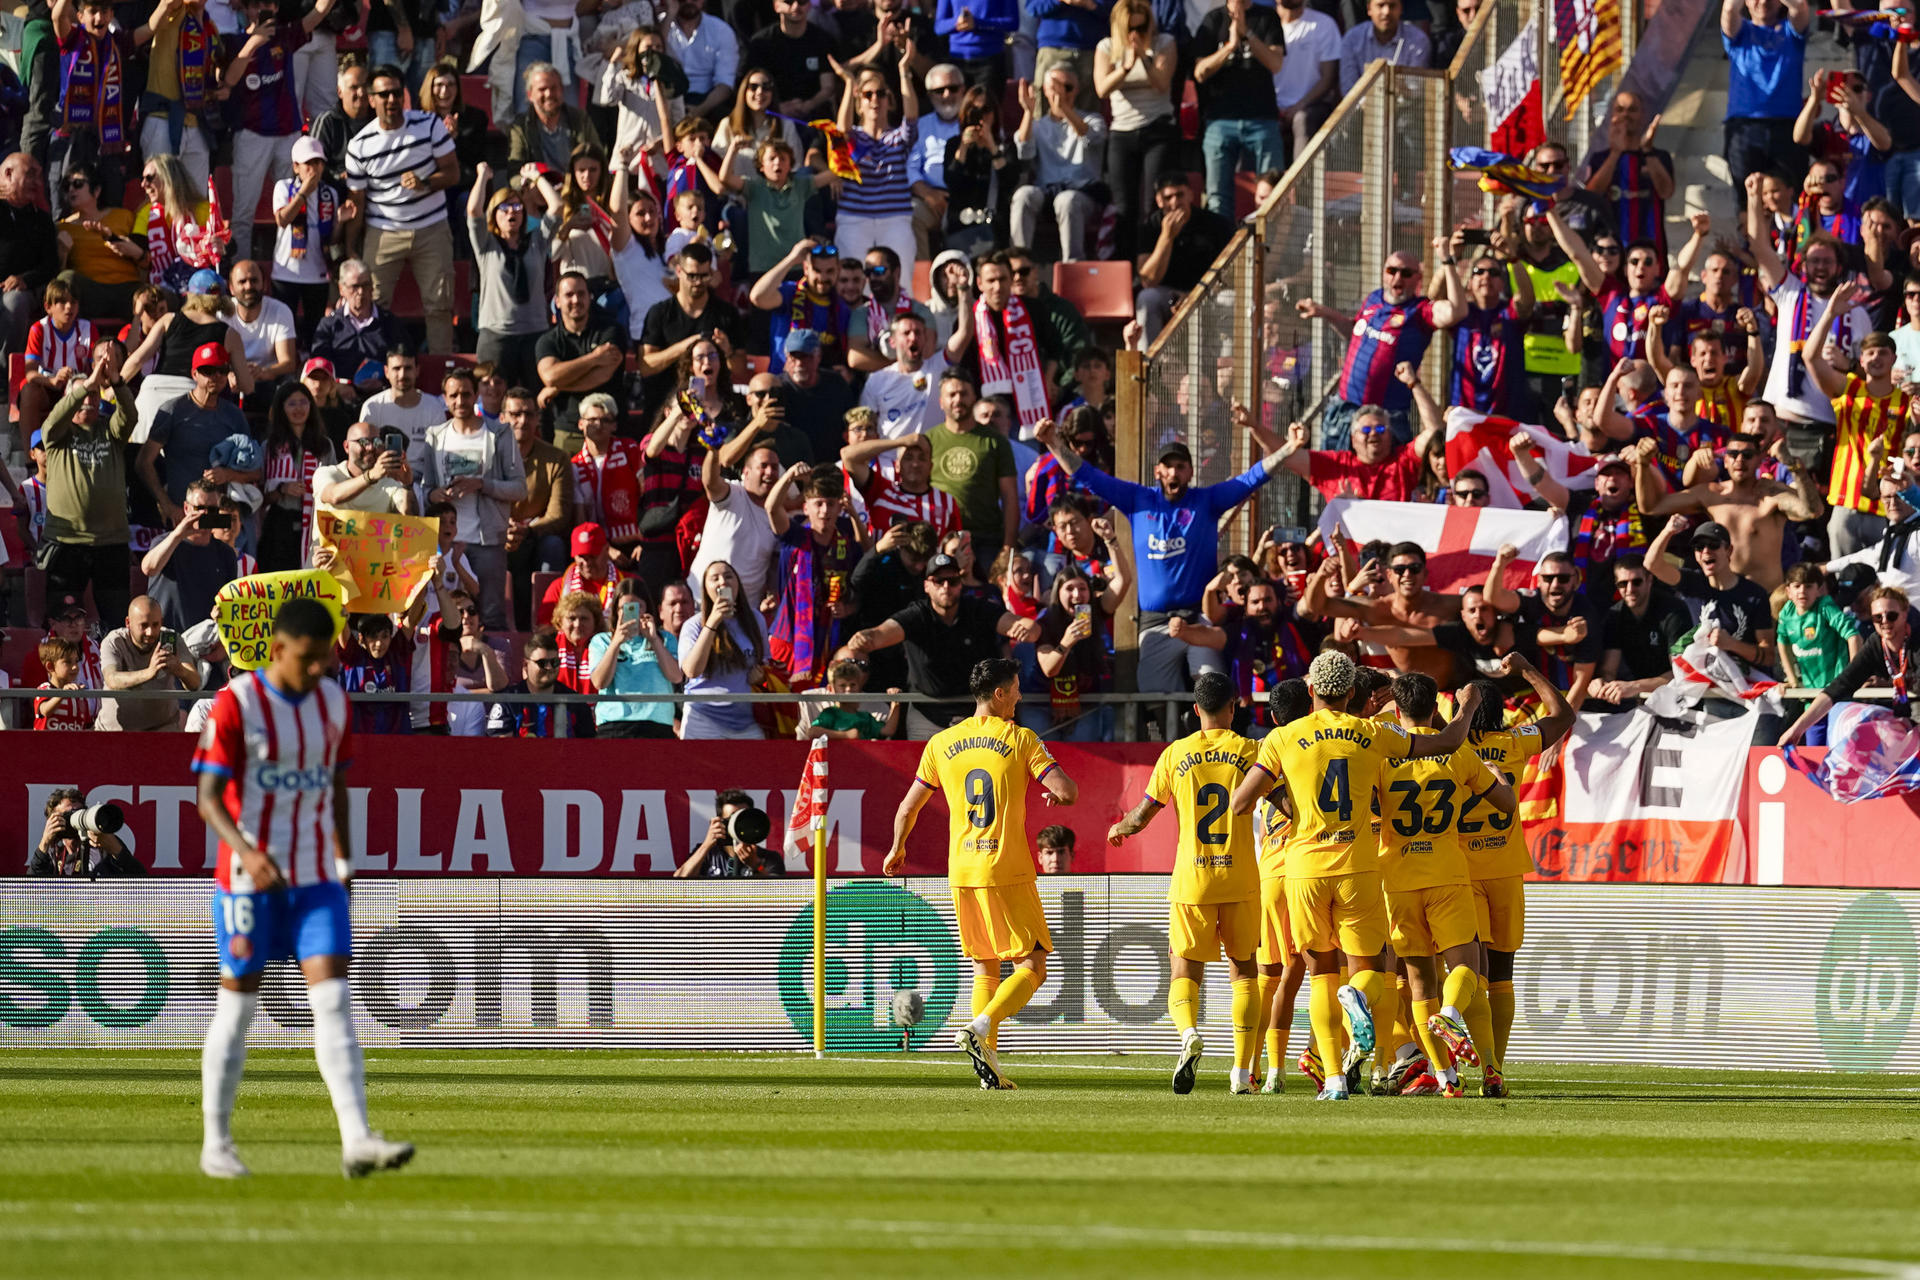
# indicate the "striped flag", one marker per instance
pixel 1480 442
pixel 1460 541
pixel 1588 33
pixel 809 813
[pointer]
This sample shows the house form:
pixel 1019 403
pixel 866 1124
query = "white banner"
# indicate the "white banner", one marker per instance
pixel 1506 83
pixel 1460 541
pixel 1636 766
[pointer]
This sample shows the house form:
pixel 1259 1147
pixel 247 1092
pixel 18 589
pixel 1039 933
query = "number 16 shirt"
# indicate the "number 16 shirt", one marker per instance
pixel 982 765
pixel 1217 860
pixel 1330 762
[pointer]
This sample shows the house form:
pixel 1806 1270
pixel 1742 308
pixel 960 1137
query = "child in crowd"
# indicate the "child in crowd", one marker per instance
pixel 850 719
pixel 61 658
pixel 1817 637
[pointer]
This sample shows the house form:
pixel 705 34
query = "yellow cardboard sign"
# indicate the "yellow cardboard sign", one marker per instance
pixel 245 607
pixel 379 557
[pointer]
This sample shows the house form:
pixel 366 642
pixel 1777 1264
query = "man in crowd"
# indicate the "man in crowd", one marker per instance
pixel 708 52
pixel 538 524
pixel 1372 466
pixel 187 430
pixel 721 856
pixel 800 56
pixel 1185 243
pixel 1735 613
pixel 909 494
pixel 1766 44
pixel 1238 50
pixel 358 332
pixel 265 326
pixel 927 163
pixel 1632 173
pixel 374 477
pixel 1643 629
pixel 403 406
pixel 475 466
pixel 186 569
pixel 1409 603
pixel 1383 35
pixel 975 465
pixel 901 394
pixel 1564 623
pixel 814 404
pixel 63 851
pixel 397 168
pixel 549 129
pixel 607 478
pixel 675 323
pixel 1871 413
pixel 29 252
pixel 86 528
pixel 144 654
pixel 1067 150
pixel 583 355
pixel 1755 512
pixel 1393 327
pixel 540 676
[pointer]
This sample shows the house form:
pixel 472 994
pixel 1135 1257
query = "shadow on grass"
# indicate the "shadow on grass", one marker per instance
pixel 388 1075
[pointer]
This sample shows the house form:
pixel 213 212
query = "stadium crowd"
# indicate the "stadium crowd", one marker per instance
pixel 643 327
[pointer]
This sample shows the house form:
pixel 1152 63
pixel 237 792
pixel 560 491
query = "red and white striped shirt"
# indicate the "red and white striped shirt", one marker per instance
pixel 888 503
pixel 49 350
pixel 89 676
pixel 279 756
pixel 35 493
pixel 284 466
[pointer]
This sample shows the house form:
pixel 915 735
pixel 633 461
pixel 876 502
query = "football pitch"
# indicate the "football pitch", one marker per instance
pixel 604 1163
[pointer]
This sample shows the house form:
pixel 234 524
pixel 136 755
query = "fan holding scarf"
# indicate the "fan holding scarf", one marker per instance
pixel 96 117
pixel 1004 340
pixel 182 77
pixel 817 557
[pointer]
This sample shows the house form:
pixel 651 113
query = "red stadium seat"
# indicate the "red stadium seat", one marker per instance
pixel 17 647
pixel 475 92
pixel 1103 291
pixel 16 374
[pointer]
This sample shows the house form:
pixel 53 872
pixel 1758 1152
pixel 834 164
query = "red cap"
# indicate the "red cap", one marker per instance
pixel 210 355
pixel 589 540
pixel 319 364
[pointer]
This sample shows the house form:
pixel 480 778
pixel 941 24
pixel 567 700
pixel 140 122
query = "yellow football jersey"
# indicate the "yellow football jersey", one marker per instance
pixel 1500 847
pixel 1271 828
pixel 1424 803
pixel 982 766
pixel 1196 777
pixel 1330 762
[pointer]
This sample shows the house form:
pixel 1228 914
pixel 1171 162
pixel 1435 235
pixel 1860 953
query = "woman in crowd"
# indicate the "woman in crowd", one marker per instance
pixel 977 200
pixel 722 653
pixel 703 373
pixel 466 125
pixel 172 223
pixel 100 257
pixel 318 377
pixel 636 657
pixel 673 501
pixel 1073 647
pixel 1133 70
pixel 753 122
pixel 1018 582
pixel 577 618
pixel 510 263
pixel 460 661
pixel 644 87
pixel 1906 338
pixel 959 545
pixel 297 446
pixel 638 263
pixel 201 319
pixel 879 208
pixel 583 242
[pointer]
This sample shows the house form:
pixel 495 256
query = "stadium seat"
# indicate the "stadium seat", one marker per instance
pixel 16 374
pixel 1103 291
pixel 1243 188
pixel 475 92
pixel 758 364
pixel 17 646
pixel 922 279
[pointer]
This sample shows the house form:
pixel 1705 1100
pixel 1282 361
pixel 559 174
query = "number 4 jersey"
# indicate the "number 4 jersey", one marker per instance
pixel 1217 858
pixel 1330 762
pixel 982 765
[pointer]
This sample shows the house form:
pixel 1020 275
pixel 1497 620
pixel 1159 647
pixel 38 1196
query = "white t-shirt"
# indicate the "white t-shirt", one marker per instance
pixel 905 402
pixel 1848 329
pixel 1311 41
pixel 643 278
pixel 382 411
pixel 737 531
pixel 311 266
pixel 258 337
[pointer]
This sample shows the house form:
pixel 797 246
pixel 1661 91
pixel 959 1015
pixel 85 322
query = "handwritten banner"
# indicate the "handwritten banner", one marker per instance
pixel 244 610
pixel 379 557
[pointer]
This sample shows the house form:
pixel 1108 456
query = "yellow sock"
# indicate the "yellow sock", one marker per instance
pixel 1466 993
pixel 1346 976
pixel 1377 987
pixel 1183 1003
pixel 1437 1053
pixel 1012 997
pixel 1323 1010
pixel 1246 1020
pixel 1500 1000
pixel 984 985
pixel 1276 1036
pixel 1402 1032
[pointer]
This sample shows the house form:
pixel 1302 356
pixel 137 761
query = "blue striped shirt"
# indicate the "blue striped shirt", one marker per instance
pixel 882 191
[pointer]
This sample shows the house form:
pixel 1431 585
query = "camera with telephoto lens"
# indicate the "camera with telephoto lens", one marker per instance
pixel 650 64
pixel 99 819
pixel 749 826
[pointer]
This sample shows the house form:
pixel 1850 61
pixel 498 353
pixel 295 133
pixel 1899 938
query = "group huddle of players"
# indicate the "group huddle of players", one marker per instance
pixel 1360 843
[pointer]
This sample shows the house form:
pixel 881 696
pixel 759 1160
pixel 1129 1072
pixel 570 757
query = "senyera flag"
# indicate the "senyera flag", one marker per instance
pixel 1460 541
pixel 1481 442
pixel 809 811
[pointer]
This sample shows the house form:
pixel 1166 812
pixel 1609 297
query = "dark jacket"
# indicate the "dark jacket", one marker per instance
pixel 29 246
pixel 348 347
pixel 523 135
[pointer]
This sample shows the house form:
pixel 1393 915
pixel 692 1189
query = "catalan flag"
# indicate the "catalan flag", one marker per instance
pixel 1588 33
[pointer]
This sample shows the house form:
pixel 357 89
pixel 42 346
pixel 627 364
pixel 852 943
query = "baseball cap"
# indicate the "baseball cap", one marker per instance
pixel 319 364
pixel 802 342
pixel 942 563
pixel 1712 533
pixel 205 280
pixel 1613 460
pixel 66 606
pixel 34 440
pixel 589 540
pixel 1176 450
pixel 306 149
pixel 210 355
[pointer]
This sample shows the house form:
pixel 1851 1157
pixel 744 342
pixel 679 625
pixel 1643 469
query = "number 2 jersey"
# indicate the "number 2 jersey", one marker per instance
pixel 1501 850
pixel 1330 762
pixel 1429 808
pixel 982 766
pixel 278 755
pixel 1196 776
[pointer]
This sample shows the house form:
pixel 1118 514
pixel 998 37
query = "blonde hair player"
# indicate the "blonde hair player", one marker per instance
pixel 982 765
pixel 1324 769
pixel 1213 899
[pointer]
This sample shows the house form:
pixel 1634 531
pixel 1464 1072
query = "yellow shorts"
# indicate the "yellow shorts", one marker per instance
pixel 1338 913
pixel 1276 934
pixel 1500 905
pixel 1200 932
pixel 1429 921
pixel 1003 922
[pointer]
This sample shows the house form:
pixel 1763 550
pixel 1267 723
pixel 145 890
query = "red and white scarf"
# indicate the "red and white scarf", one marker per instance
pixel 610 486
pixel 286 466
pixel 880 324
pixel 1018 370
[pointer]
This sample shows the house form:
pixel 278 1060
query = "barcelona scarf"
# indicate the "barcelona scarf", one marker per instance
pixel 1502 174
pixel 195 59
pixel 841 161
pixel 1265 657
pixel 95 92
pixel 1596 541
pixel 297 245
pixel 815 578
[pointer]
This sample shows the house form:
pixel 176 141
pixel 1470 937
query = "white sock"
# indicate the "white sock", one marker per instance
pixel 1449 1076
pixel 1242 1076
pixel 337 1051
pixel 981 1025
pixel 1273 1075
pixel 222 1060
pixel 1449 1012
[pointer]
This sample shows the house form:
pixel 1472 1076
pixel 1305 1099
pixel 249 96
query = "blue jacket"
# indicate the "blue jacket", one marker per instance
pixel 1176 545
pixel 1067 26
pixel 993 22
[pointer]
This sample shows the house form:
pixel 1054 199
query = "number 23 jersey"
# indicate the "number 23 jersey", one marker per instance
pixel 1329 762
pixel 982 766
pixel 1217 858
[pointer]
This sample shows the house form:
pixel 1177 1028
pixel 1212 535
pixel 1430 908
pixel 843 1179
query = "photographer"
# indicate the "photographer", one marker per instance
pixel 186 569
pixel 63 851
pixel 143 655
pixel 720 856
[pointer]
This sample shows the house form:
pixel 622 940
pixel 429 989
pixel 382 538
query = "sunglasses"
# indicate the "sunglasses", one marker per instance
pixel 467 611
pixel 1403 271
pixel 1483 271
pixel 878 272
pixel 870 94
pixel 1374 429
pixel 952 580
pixel 1023 273
pixel 383 93
pixel 544 664
pixel 1912 293
pixel 824 251
pixel 1742 453
pixel 1550 166
pixel 696 275
pixel 1631 584
pixel 1401 570
pixel 944 90
pixel 1137 31
pixel 1556 577
pixel 760 86
pixel 77 183
pixel 1885 619
pixel 1608 249
pixel 149 177
pixel 1470 496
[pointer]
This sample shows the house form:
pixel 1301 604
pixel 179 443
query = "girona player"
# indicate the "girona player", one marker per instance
pixel 273 786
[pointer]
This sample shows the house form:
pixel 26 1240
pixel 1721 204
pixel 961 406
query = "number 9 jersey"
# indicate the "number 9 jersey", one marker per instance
pixel 982 766
pixel 1330 762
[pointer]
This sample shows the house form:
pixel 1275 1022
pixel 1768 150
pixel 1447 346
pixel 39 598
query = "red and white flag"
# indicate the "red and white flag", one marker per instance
pixel 1479 442
pixel 1460 542
pixel 809 812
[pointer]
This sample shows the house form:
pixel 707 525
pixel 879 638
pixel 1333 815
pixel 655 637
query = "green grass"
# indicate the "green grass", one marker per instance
pixel 563 1165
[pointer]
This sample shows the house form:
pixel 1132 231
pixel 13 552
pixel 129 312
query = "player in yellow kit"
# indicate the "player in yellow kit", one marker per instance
pixel 983 765
pixel 1325 768
pixel 1427 808
pixel 1213 900
pixel 1498 859
pixel 1282 967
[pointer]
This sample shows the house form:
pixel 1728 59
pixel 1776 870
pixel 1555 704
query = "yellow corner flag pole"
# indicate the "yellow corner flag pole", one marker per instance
pixel 819 939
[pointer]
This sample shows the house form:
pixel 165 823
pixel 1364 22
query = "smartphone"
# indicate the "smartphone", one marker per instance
pixel 214 520
pixel 696 386
pixel 723 593
pixel 394 440
pixel 629 611
pixel 1476 235
pixel 170 640
pixel 1570 388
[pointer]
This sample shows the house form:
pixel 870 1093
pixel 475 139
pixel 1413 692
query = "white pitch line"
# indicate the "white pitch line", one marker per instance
pixel 101 1221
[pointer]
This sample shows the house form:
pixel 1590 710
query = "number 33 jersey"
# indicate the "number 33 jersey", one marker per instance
pixel 1217 860
pixel 1330 762
pixel 982 766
